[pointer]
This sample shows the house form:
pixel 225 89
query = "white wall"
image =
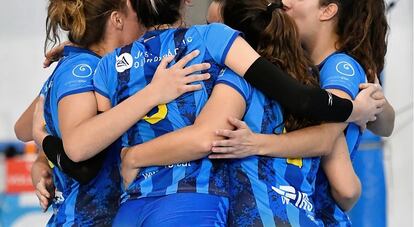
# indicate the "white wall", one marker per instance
pixel 21 45
pixel 399 91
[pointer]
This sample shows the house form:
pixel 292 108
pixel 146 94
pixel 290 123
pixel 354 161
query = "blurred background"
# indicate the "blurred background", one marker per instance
pixel 384 164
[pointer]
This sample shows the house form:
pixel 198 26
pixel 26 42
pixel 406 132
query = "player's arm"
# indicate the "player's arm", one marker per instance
pixel 192 142
pixel 23 126
pixel 42 181
pixel 295 97
pixel 344 183
pixel 85 134
pixel 384 125
pixel 53 148
pixel 307 142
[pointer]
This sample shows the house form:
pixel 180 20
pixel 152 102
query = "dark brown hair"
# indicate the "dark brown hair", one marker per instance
pixel 156 12
pixel 84 20
pixel 275 37
pixel 362 29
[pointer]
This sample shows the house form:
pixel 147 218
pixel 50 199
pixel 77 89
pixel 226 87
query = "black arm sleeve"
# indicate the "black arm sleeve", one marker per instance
pixel 298 99
pixel 83 171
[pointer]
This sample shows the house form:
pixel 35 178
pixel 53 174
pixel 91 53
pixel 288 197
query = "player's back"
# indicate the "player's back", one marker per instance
pixel 342 72
pixel 131 68
pixel 75 203
pixel 268 191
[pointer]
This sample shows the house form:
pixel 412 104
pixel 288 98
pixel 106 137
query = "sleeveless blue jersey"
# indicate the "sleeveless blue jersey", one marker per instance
pixel 129 69
pixel 95 203
pixel 267 191
pixel 338 71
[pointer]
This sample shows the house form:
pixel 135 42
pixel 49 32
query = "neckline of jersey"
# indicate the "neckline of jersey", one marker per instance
pixel 69 50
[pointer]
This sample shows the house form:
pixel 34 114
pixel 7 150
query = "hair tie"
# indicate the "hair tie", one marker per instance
pixel 273 6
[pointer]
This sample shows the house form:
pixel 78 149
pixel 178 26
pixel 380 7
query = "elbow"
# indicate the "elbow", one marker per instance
pixel 388 131
pixel 203 145
pixel 347 197
pixel 326 147
pixel 21 134
pixel 73 152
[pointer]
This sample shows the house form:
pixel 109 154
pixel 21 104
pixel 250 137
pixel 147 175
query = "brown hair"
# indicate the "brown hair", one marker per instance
pixel 156 12
pixel 84 20
pixel 275 37
pixel 362 29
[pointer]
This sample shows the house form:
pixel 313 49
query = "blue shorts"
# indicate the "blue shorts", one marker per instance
pixel 180 209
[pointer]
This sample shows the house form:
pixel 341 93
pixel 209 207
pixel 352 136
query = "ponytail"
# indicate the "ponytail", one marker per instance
pixel 67 15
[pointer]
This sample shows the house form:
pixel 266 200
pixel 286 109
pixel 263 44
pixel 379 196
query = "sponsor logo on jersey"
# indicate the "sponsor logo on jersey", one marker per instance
pixel 82 71
pixel 124 62
pixel 290 195
pixel 345 68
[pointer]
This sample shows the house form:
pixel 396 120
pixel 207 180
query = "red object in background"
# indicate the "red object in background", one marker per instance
pixel 18 177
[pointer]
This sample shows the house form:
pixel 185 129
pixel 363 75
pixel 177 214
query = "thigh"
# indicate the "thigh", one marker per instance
pixel 188 209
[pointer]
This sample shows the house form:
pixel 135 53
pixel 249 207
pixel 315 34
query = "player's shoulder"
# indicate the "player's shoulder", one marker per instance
pixel 344 64
pixel 79 66
pixel 213 28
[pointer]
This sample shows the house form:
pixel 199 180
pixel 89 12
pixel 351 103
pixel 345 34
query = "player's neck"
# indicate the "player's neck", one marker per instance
pixel 180 23
pixel 102 48
pixel 321 47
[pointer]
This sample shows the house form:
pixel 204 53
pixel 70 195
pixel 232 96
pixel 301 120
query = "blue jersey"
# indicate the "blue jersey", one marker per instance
pixel 95 203
pixel 129 69
pixel 267 191
pixel 342 72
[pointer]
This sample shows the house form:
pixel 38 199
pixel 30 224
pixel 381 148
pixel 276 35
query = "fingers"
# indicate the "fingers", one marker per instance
pixel 47 62
pixel 221 146
pixel 190 88
pixel 372 89
pixel 165 61
pixel 226 133
pixel 41 187
pixel 238 123
pixel 45 174
pixel 198 77
pixel 184 61
pixel 378 95
pixel 222 156
pixel 380 103
pixel 43 201
pixel 196 68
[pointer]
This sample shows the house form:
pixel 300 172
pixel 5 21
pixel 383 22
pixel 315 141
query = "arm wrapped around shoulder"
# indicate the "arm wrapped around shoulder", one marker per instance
pixel 295 97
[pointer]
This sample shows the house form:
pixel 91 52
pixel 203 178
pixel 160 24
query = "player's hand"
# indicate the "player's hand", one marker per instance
pixel 171 82
pixel 128 172
pixel 39 130
pixel 366 107
pixel 45 190
pixel 239 143
pixel 55 54
pixel 379 93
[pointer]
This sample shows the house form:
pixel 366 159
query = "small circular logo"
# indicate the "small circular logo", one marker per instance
pixel 82 71
pixel 124 62
pixel 345 68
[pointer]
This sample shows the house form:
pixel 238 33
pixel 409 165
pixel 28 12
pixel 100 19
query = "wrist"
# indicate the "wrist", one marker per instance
pixel 152 94
pixel 355 112
pixel 260 144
